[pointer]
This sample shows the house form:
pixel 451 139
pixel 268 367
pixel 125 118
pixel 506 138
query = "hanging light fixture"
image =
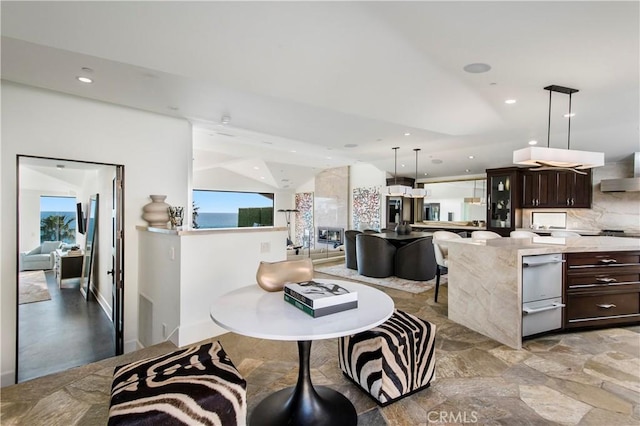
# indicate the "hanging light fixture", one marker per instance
pixel 554 158
pixel 416 192
pixel 473 199
pixel 396 190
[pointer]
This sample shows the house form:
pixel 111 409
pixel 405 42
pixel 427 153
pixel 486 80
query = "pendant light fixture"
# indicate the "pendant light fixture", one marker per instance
pixel 396 190
pixel 554 158
pixel 473 199
pixel 416 192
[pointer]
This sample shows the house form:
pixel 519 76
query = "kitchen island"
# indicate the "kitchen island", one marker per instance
pixel 485 278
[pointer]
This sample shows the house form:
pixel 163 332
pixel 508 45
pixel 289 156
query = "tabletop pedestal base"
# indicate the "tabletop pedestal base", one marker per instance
pixel 303 404
pixel 281 408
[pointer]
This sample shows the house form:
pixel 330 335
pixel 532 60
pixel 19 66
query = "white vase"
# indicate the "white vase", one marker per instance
pixel 156 213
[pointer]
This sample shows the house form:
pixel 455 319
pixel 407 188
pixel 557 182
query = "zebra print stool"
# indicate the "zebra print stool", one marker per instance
pixel 197 385
pixel 392 360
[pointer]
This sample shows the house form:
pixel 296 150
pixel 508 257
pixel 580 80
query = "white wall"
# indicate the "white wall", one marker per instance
pixel 100 281
pixel 190 271
pixel 155 150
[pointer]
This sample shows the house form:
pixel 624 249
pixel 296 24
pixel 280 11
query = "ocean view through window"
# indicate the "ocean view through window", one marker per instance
pixel 58 219
pixel 229 209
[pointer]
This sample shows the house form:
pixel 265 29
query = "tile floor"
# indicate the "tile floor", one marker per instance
pixel 579 378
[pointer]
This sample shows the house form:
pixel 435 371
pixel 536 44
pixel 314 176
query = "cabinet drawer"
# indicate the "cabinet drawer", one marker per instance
pixel 601 259
pixel 583 309
pixel 604 280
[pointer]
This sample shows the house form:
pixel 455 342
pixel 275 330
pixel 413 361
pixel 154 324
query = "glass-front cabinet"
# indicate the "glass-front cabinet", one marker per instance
pixel 502 200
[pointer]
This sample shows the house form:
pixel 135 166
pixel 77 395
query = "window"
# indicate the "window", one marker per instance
pixel 227 209
pixel 58 219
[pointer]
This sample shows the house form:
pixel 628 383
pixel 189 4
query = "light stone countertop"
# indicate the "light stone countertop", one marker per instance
pixel 485 278
pixel 545 245
pixel 446 225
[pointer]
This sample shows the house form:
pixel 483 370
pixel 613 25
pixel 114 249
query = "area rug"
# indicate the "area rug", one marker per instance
pixel 393 282
pixel 33 287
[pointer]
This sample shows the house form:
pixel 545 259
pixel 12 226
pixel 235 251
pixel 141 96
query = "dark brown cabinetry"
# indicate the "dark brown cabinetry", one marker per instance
pixel 503 198
pixel 556 189
pixel 602 289
pixel 573 189
pixel 536 189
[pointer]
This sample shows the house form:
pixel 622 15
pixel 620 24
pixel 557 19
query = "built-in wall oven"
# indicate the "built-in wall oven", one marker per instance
pixel 541 293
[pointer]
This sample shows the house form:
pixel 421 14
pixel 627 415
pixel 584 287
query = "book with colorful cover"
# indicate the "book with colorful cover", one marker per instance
pixel 319 295
pixel 320 312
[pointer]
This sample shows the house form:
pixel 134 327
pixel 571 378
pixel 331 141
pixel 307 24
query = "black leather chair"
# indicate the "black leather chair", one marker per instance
pixel 375 256
pixel 350 248
pixel 416 260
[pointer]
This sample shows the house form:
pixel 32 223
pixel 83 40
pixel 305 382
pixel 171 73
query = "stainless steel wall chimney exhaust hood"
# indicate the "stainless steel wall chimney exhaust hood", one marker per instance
pixel 624 184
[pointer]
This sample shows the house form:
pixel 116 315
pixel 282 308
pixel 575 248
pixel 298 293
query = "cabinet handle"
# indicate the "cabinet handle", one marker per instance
pixel 572 201
pixel 606 280
pixel 607 261
pixel 606 305
pixel 568 199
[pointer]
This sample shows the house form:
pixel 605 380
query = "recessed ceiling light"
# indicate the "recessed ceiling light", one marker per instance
pixel 173 108
pixel 533 142
pixel 268 143
pixel 256 168
pixel 85 79
pixel 350 145
pixel 60 166
pixel 407 134
pixel 293 150
pixel 436 161
pixel 510 101
pixel 471 157
pixel 477 68
pixel 426 174
pixel 261 177
pixel 467 170
pixel 573 114
pixel 86 69
pixel 401 165
pixel 328 158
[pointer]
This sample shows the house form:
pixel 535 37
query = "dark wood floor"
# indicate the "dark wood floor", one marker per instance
pixel 64 332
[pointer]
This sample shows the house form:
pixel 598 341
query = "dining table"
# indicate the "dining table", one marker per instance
pixel 401 239
pixel 254 312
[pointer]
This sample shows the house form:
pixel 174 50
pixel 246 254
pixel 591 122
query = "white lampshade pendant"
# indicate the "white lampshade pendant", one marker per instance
pixel 416 192
pixel 396 190
pixel 555 158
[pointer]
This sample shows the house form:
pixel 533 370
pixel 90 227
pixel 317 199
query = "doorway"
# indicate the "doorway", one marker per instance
pixel 78 317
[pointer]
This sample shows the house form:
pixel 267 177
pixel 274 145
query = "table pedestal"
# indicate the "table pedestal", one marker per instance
pixel 304 404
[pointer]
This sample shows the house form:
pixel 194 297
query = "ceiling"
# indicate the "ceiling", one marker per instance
pixel 312 85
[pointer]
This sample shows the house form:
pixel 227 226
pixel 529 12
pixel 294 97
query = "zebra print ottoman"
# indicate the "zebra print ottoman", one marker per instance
pixel 197 385
pixel 392 360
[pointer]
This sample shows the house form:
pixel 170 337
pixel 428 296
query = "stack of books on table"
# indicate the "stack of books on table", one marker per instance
pixel 320 299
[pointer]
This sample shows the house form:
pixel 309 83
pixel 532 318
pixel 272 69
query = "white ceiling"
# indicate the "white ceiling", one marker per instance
pixel 315 77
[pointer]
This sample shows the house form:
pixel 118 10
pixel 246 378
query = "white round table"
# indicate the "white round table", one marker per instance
pixel 253 312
